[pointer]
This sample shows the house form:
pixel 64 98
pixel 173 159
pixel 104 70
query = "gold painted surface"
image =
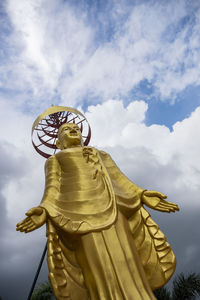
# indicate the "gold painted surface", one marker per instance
pixel 102 243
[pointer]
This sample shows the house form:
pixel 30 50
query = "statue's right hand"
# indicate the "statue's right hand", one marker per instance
pixel 36 217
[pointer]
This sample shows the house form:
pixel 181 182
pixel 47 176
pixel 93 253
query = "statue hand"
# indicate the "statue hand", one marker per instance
pixel 36 217
pixel 156 201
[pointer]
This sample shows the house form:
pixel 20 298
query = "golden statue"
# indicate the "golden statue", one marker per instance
pixel 102 243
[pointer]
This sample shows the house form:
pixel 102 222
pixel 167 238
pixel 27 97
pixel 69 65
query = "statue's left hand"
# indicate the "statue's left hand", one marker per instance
pixel 155 200
pixel 36 217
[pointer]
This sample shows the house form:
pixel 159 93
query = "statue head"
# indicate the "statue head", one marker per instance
pixel 69 135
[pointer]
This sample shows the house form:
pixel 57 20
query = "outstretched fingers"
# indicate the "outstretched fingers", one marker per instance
pixel 23 225
pixel 162 209
pixel 23 222
pixel 30 228
pixel 170 205
pixel 167 206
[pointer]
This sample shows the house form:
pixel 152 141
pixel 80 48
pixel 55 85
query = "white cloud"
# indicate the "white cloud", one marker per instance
pixel 150 45
pixel 56 51
pixel 112 118
pixel 50 42
pixel 18 155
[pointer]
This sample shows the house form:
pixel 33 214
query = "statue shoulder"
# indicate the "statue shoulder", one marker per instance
pixel 51 159
pixel 104 154
pixel 51 162
pixel 107 159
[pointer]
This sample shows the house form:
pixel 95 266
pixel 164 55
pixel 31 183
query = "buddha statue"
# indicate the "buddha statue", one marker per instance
pixel 102 242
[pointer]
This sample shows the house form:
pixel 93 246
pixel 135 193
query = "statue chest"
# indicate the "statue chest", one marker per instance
pixel 79 173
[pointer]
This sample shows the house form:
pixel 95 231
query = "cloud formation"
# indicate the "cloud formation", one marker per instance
pixel 57 49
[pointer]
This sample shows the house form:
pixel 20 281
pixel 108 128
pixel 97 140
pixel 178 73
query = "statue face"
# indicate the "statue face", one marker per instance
pixel 69 135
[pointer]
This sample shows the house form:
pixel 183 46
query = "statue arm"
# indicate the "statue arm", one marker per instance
pixel 37 216
pixel 130 196
pixel 52 181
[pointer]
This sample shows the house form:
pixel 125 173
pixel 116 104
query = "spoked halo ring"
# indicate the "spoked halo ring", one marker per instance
pixel 45 128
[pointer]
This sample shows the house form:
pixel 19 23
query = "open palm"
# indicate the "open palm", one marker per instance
pixel 36 217
pixel 156 200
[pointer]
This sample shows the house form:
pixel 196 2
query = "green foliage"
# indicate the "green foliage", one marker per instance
pixel 186 288
pixel 162 294
pixel 43 292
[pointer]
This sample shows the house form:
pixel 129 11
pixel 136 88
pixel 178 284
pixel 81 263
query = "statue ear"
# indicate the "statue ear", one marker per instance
pixel 58 144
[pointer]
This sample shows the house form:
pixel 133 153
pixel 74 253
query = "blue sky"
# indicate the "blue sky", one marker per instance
pixel 133 67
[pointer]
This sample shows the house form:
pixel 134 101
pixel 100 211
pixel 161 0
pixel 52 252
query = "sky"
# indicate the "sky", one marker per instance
pixel 133 68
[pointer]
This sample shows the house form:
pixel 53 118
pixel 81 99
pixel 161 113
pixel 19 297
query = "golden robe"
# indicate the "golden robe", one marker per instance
pixel 102 243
